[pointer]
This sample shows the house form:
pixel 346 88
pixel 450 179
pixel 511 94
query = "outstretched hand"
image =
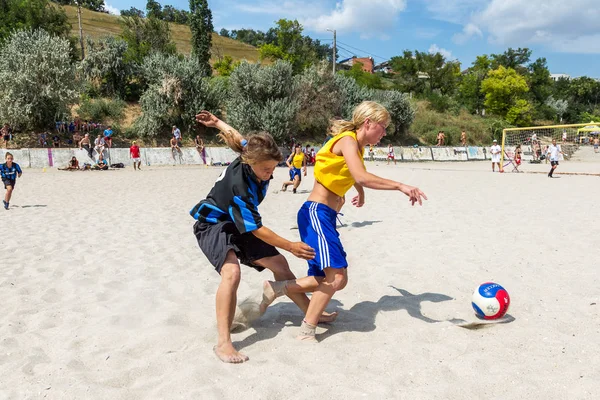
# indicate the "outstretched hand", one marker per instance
pixel 207 119
pixel 358 200
pixel 414 194
pixel 302 250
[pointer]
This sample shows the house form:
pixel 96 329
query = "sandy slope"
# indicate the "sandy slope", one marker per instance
pixel 105 295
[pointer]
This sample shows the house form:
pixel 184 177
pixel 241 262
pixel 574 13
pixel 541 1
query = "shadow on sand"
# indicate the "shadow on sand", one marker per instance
pixel 359 318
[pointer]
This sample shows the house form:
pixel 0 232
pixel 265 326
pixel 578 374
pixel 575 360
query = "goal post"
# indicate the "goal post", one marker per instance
pixel 533 140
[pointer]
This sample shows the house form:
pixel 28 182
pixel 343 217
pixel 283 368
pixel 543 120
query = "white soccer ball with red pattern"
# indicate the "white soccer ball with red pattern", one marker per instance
pixel 490 301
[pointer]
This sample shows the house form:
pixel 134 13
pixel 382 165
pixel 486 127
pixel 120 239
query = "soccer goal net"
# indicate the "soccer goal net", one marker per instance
pixel 535 140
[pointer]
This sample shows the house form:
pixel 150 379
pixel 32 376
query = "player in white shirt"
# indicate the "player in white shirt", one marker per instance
pixel 496 150
pixel 553 153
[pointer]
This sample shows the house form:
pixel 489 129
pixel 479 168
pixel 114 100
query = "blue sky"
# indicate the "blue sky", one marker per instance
pixel 566 33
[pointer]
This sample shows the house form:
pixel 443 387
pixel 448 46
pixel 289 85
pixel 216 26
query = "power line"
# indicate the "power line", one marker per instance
pixel 346 50
pixel 363 51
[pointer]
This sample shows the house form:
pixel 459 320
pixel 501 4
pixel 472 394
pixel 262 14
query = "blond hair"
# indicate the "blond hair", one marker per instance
pixel 257 148
pixel 366 110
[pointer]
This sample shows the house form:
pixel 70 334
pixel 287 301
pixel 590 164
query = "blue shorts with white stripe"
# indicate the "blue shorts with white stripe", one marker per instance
pixel 316 223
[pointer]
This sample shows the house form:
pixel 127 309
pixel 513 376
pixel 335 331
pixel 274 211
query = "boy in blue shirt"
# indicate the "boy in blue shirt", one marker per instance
pixel 9 172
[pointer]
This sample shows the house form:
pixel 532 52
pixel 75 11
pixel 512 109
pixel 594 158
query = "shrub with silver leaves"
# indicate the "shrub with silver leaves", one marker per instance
pixel 38 79
pixel 397 103
pixel 261 98
pixel 177 91
pixel 106 66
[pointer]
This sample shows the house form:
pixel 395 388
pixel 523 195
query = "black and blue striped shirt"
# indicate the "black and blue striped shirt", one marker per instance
pixel 235 198
pixel 11 172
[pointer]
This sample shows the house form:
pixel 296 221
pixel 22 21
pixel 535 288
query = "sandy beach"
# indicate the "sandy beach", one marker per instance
pixel 105 293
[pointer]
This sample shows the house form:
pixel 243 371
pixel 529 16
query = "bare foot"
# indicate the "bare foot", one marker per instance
pixel 271 291
pixel 307 338
pixel 327 317
pixel 228 354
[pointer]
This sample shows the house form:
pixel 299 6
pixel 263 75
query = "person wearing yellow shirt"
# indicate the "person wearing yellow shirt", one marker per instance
pixel 295 162
pixel 339 166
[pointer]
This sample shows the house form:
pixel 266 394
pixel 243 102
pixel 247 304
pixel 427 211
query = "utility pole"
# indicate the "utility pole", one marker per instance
pixel 334 48
pixel 80 29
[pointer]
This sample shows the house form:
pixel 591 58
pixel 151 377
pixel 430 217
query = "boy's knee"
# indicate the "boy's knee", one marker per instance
pixel 338 282
pixel 231 274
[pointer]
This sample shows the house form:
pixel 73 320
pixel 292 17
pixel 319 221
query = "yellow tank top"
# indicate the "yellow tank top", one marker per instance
pixel 298 160
pixel 331 170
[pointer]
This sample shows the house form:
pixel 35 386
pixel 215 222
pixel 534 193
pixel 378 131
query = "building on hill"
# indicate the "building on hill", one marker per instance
pixel 383 67
pixel 556 77
pixel 367 63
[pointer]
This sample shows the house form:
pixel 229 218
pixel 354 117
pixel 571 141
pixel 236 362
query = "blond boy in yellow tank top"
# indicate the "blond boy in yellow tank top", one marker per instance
pixel 339 166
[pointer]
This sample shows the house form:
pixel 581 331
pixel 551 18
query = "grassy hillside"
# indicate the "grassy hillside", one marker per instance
pixel 97 24
pixel 427 123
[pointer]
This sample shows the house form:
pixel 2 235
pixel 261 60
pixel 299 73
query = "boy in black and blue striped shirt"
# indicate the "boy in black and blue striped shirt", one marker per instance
pixel 9 172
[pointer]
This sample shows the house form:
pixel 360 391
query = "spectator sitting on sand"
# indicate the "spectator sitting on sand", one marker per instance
pixel 72 166
pixel 101 164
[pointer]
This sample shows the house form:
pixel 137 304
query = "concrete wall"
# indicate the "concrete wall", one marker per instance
pixel 44 158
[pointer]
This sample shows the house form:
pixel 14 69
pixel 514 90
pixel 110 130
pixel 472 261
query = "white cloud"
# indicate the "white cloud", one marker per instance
pixel 468 32
pixel 455 11
pixel 434 48
pixel 369 18
pixel 111 9
pixel 426 33
pixel 286 9
pixel 564 26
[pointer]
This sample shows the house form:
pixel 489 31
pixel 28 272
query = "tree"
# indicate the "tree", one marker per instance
pixel 539 80
pixel 400 109
pixel 132 12
pixel 289 45
pixel 502 88
pixel 422 71
pixel 407 73
pixel 318 99
pixel 106 65
pixel 363 78
pixel 202 29
pixel 177 90
pixel 225 66
pixel 511 58
pixel 520 113
pixel 182 17
pixel 558 106
pixel 32 14
pixel 38 79
pixel 224 32
pixel 262 99
pixel 169 13
pixel 146 35
pixel 469 89
pixel 94 5
pixel 154 9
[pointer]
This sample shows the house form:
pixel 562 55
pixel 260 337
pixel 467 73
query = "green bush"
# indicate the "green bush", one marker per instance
pixel 100 110
pixel 480 131
pixel 38 79
pixel 261 99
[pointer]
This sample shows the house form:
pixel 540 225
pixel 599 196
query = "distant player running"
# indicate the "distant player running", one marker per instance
pixel 553 153
pixel 391 155
pixel 229 227
pixel 339 166
pixel 296 162
pixel 9 171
